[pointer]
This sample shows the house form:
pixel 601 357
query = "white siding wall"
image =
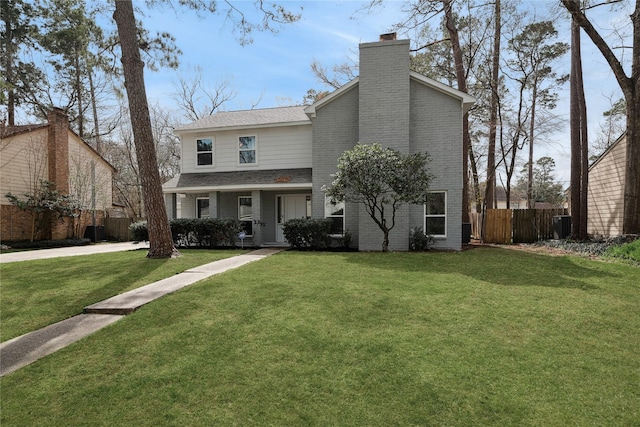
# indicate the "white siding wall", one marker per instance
pixel 81 181
pixel 277 148
pixel 23 162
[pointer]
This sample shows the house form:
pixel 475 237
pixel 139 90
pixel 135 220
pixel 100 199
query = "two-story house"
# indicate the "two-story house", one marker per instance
pixel 51 152
pixel 267 166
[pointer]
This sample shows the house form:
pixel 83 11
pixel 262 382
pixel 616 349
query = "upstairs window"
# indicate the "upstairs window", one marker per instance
pixel 246 150
pixel 435 221
pixel 245 214
pixel 204 149
pixel 335 212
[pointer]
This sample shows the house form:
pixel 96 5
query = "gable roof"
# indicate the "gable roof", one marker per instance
pixel 621 138
pixel 11 131
pixel 264 117
pixel 466 99
pixel 7 131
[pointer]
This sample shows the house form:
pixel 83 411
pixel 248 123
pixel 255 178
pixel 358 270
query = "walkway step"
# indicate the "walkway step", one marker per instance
pixel 128 302
pixel 30 347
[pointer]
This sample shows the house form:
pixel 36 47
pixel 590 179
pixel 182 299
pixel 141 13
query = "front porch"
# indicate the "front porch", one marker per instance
pixel 262 212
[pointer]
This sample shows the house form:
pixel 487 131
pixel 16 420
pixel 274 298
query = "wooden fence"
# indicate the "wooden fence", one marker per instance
pixel 117 229
pixel 519 225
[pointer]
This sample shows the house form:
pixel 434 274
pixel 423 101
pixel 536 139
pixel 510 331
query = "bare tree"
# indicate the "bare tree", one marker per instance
pixel 489 197
pixel 630 85
pixel 197 100
pixel 611 128
pixel 160 240
pixel 342 73
pixel 579 143
pixel 532 64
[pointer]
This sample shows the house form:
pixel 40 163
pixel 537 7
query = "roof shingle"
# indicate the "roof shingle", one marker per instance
pixel 244 118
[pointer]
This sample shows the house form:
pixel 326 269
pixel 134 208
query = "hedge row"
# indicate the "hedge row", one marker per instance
pixel 201 232
pixel 308 233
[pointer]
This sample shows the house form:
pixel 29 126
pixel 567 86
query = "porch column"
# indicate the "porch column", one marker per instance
pixel 257 217
pixel 170 203
pixel 213 204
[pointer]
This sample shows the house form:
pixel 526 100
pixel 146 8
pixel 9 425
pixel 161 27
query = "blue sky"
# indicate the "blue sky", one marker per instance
pixel 275 69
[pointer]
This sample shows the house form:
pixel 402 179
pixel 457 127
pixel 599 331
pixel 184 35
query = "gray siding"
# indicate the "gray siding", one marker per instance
pixel 436 127
pixel 335 129
pixel 384 118
pixel 384 94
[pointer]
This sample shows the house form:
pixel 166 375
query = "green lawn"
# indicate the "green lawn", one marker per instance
pixel 483 337
pixel 38 293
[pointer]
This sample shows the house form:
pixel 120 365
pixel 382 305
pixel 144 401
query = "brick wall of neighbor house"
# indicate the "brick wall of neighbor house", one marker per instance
pixel 58 149
pixel 605 197
pixel 436 127
pixel 53 153
pixel 14 224
pixel 384 118
pixel 335 129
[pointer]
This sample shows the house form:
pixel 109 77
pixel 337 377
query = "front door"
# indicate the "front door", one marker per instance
pixel 288 207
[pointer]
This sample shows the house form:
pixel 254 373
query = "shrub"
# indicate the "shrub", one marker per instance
pixel 222 232
pixel 418 240
pixel 308 233
pixel 139 232
pixel 46 244
pixel 629 251
pixel 346 239
pixel 203 232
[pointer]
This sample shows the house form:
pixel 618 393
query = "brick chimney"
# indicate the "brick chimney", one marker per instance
pixel 385 92
pixel 387 37
pixel 58 149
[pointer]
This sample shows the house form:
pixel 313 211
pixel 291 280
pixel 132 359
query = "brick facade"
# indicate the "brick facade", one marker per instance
pixel 387 106
pixel 54 145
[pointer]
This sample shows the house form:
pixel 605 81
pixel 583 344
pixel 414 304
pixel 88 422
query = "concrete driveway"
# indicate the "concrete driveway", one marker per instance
pixel 71 251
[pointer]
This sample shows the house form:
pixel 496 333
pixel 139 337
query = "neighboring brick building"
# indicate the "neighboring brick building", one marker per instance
pixel 267 166
pixel 51 152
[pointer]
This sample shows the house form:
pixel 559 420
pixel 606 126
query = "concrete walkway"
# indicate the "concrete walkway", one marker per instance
pixel 28 348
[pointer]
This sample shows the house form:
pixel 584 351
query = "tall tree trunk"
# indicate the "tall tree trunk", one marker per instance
pixel 584 149
pixel 160 240
pixel 576 136
pixel 10 51
pixel 630 86
pixel 490 193
pixel 631 215
pixel 475 178
pixel 94 106
pixel 531 204
pixel 78 84
pixel 462 86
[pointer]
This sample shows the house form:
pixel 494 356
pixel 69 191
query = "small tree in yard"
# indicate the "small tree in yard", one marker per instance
pixel 382 179
pixel 43 201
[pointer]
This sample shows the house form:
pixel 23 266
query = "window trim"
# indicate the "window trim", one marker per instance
pixel 444 215
pixel 327 201
pixel 254 149
pixel 249 220
pixel 198 207
pixel 213 157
